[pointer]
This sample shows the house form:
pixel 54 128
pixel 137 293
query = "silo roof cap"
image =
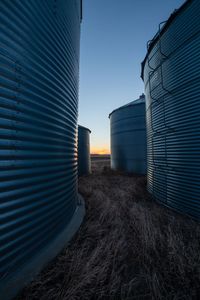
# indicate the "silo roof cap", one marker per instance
pixel 132 103
pixel 160 32
pixel 85 128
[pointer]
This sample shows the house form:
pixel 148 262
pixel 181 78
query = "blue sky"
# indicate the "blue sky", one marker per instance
pixel 113 45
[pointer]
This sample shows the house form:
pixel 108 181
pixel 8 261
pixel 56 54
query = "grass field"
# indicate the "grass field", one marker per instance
pixel 128 247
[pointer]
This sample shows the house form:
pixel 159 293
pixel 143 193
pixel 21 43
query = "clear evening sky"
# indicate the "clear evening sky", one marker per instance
pixel 113 45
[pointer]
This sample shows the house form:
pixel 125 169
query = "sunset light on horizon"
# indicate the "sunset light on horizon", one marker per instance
pixel 99 150
pixel 111 56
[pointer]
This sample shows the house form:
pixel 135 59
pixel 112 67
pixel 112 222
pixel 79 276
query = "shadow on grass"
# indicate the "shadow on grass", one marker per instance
pixel 128 247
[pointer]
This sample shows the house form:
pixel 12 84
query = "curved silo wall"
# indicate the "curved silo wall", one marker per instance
pixel 128 138
pixel 172 84
pixel 39 66
pixel 84 162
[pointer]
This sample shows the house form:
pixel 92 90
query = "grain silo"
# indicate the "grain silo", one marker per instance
pixel 172 83
pixel 128 137
pixel 39 205
pixel 84 161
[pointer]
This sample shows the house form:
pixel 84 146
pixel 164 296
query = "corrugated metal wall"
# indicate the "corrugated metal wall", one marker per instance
pixel 39 70
pixel 84 161
pixel 128 137
pixel 172 84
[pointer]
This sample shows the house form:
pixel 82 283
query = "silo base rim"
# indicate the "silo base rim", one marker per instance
pixel 175 210
pixel 27 273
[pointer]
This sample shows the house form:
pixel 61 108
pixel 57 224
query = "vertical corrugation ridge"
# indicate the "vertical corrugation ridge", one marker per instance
pixel 39 67
pixel 84 161
pixel 128 137
pixel 171 77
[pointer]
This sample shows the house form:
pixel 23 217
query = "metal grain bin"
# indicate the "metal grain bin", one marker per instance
pixel 172 83
pixel 39 67
pixel 128 137
pixel 84 162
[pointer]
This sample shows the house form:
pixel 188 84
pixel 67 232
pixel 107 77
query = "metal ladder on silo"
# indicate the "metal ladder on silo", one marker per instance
pixel 158 101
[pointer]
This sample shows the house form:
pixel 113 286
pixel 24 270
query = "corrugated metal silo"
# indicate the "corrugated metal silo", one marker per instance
pixel 172 84
pixel 39 67
pixel 84 161
pixel 128 137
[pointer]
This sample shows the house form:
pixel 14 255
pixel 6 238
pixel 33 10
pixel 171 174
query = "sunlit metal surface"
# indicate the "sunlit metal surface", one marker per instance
pixel 172 85
pixel 128 137
pixel 39 70
pixel 84 161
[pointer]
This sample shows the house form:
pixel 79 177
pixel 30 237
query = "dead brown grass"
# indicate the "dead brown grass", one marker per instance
pixel 128 247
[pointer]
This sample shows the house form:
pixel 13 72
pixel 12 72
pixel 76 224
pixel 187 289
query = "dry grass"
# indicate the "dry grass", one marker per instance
pixel 128 247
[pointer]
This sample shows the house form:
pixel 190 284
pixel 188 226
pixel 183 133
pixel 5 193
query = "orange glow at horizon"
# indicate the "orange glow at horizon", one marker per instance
pixel 100 150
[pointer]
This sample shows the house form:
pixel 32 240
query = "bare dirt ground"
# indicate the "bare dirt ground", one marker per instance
pixel 128 247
